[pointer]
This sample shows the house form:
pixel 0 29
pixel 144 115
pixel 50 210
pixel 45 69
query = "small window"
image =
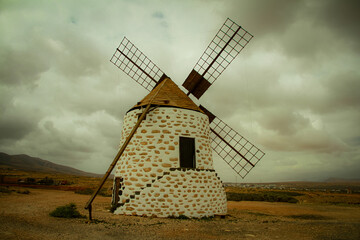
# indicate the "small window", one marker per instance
pixel 187 152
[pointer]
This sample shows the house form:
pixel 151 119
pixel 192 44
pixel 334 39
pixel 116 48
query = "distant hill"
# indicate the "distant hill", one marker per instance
pixel 26 163
pixel 341 180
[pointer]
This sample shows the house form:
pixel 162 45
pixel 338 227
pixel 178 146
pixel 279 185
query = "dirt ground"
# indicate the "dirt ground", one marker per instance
pixel 26 216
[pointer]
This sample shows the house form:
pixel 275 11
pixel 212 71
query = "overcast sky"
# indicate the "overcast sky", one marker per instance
pixel 294 91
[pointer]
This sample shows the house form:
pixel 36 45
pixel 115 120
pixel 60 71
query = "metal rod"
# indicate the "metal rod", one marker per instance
pixel 137 65
pixel 220 52
pixel 232 147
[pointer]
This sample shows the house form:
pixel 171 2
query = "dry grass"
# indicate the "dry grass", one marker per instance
pixel 74 183
pixel 26 216
pixel 302 197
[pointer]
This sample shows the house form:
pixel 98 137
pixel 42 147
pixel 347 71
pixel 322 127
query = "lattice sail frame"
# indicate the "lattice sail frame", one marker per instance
pixel 240 154
pixel 239 39
pixel 225 46
pixel 134 63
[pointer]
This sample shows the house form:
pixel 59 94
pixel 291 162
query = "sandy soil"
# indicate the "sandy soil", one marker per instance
pixel 26 216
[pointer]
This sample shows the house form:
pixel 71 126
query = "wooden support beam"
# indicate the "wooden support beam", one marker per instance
pixel 118 155
pixel 122 149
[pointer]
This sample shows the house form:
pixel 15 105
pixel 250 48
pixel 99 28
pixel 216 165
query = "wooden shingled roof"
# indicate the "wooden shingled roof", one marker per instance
pixel 167 93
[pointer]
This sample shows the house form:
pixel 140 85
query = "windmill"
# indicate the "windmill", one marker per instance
pixel 166 166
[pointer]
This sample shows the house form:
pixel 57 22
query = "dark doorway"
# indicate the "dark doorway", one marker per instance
pixel 187 152
pixel 116 190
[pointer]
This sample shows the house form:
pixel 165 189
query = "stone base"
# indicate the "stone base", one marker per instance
pixel 190 192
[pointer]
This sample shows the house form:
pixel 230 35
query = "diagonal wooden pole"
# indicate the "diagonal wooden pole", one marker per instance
pixel 118 155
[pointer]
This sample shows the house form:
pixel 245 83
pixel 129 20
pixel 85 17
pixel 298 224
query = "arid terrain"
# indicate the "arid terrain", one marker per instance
pixel 26 216
pixel 308 211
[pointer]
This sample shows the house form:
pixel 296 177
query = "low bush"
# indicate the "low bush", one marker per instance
pixel 207 218
pixel 67 211
pixel 182 217
pixel 85 191
pixel 308 217
pixel 89 191
pixel 30 180
pixel 46 181
pixel 23 191
pixel 269 196
pixel 178 217
pixel 5 190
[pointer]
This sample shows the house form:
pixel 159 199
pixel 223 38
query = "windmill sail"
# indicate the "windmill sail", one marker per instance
pixel 134 63
pixel 240 154
pixel 225 46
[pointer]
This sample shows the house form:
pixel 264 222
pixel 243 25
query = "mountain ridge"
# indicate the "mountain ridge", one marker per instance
pixel 27 163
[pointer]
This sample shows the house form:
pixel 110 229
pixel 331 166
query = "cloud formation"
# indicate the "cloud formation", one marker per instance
pixel 293 91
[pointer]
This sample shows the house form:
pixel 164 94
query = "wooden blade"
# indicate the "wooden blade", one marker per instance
pixel 240 154
pixel 226 45
pixel 134 63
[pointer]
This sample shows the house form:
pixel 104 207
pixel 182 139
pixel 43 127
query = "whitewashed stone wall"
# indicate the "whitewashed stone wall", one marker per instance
pixel 152 182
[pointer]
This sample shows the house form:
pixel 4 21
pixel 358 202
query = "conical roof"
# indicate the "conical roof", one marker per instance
pixel 167 93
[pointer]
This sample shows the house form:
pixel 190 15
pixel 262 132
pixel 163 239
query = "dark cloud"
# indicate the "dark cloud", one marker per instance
pixel 266 17
pixel 19 66
pixel 343 90
pixel 16 119
pixel 75 55
pixel 14 127
pixel 284 121
pixel 340 16
pixel 293 91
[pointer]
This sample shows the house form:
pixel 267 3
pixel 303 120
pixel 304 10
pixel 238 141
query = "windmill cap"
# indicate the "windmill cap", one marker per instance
pixel 167 93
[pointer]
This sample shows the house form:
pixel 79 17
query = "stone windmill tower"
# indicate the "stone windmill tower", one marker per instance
pixel 165 165
pixel 167 168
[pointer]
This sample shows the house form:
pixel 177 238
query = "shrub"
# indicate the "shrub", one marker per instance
pixel 178 217
pixel 30 180
pixel 85 191
pixel 23 192
pixel 105 193
pixel 5 190
pixel 67 211
pixel 270 196
pixel 89 191
pixel 308 217
pixel 207 218
pixel 46 181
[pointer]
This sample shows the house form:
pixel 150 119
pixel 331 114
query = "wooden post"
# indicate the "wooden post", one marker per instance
pixel 122 149
pixel 90 217
pixel 118 155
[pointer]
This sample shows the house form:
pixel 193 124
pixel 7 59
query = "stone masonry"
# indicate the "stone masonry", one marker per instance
pixel 151 180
